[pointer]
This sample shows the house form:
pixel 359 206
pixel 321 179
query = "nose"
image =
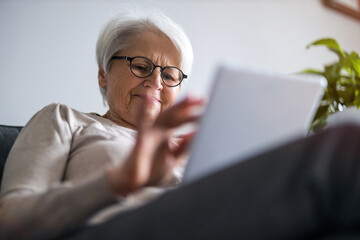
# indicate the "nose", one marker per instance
pixel 154 80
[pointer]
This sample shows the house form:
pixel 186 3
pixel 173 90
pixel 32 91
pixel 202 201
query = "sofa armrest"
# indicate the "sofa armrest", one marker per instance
pixel 8 134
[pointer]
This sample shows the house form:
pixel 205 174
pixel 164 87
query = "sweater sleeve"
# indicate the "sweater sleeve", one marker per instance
pixel 35 202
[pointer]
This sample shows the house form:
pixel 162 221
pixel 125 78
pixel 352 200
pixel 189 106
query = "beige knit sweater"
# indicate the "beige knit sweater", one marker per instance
pixel 55 173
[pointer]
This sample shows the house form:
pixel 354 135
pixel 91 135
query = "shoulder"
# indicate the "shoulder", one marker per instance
pixel 54 108
pixel 60 112
pixel 58 116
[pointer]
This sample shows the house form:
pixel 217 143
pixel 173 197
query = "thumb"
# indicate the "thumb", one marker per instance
pixel 184 144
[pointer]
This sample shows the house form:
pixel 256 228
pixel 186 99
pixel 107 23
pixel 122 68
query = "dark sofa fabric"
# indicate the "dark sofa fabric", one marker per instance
pixel 8 135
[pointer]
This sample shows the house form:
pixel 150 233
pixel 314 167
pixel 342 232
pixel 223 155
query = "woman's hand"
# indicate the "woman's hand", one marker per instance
pixel 154 155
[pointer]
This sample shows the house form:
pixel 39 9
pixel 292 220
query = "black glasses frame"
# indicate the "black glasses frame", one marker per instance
pixel 130 59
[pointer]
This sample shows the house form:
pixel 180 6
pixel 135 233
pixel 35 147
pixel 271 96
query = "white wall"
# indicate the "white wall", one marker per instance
pixel 47 47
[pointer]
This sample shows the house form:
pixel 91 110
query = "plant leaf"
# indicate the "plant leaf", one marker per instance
pixel 343 77
pixel 355 62
pixel 354 54
pixel 312 71
pixel 357 99
pixel 331 43
pixel 332 73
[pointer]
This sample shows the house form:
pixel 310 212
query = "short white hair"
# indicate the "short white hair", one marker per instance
pixel 117 33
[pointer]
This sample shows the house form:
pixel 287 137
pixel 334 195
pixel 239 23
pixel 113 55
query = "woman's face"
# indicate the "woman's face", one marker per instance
pixel 125 91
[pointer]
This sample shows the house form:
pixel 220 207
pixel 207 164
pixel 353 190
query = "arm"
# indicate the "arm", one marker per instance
pixel 34 198
pixel 153 158
pixel 35 201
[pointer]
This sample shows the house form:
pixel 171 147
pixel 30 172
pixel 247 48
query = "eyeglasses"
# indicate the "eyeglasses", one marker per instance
pixel 143 67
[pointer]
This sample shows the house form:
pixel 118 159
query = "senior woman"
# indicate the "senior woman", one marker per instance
pixel 66 166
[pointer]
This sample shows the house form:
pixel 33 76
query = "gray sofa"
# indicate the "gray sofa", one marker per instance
pixel 8 135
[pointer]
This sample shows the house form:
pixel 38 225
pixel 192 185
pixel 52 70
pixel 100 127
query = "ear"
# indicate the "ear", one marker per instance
pixel 102 77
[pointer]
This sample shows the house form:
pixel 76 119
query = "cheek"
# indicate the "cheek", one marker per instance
pixel 170 95
pixel 119 92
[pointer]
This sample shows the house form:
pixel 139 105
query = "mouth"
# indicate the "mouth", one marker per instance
pixel 151 98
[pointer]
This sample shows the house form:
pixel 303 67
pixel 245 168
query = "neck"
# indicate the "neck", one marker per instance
pixel 119 121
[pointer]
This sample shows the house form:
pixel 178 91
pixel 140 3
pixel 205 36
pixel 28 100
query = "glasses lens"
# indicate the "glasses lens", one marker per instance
pixel 141 67
pixel 172 76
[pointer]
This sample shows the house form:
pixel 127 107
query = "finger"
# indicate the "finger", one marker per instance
pixel 184 144
pixel 181 113
pixel 162 163
pixel 188 102
pixel 145 103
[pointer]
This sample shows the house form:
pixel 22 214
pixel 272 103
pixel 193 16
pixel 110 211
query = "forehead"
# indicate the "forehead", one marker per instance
pixel 155 46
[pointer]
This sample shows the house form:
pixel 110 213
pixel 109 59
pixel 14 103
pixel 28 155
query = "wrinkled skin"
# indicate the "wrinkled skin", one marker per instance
pixel 146 105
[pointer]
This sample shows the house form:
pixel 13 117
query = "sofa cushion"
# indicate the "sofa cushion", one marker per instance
pixel 8 135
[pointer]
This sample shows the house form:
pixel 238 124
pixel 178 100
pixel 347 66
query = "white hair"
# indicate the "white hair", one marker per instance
pixel 117 34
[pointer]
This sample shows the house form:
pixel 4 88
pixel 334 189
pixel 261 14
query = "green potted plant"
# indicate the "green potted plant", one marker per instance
pixel 343 79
